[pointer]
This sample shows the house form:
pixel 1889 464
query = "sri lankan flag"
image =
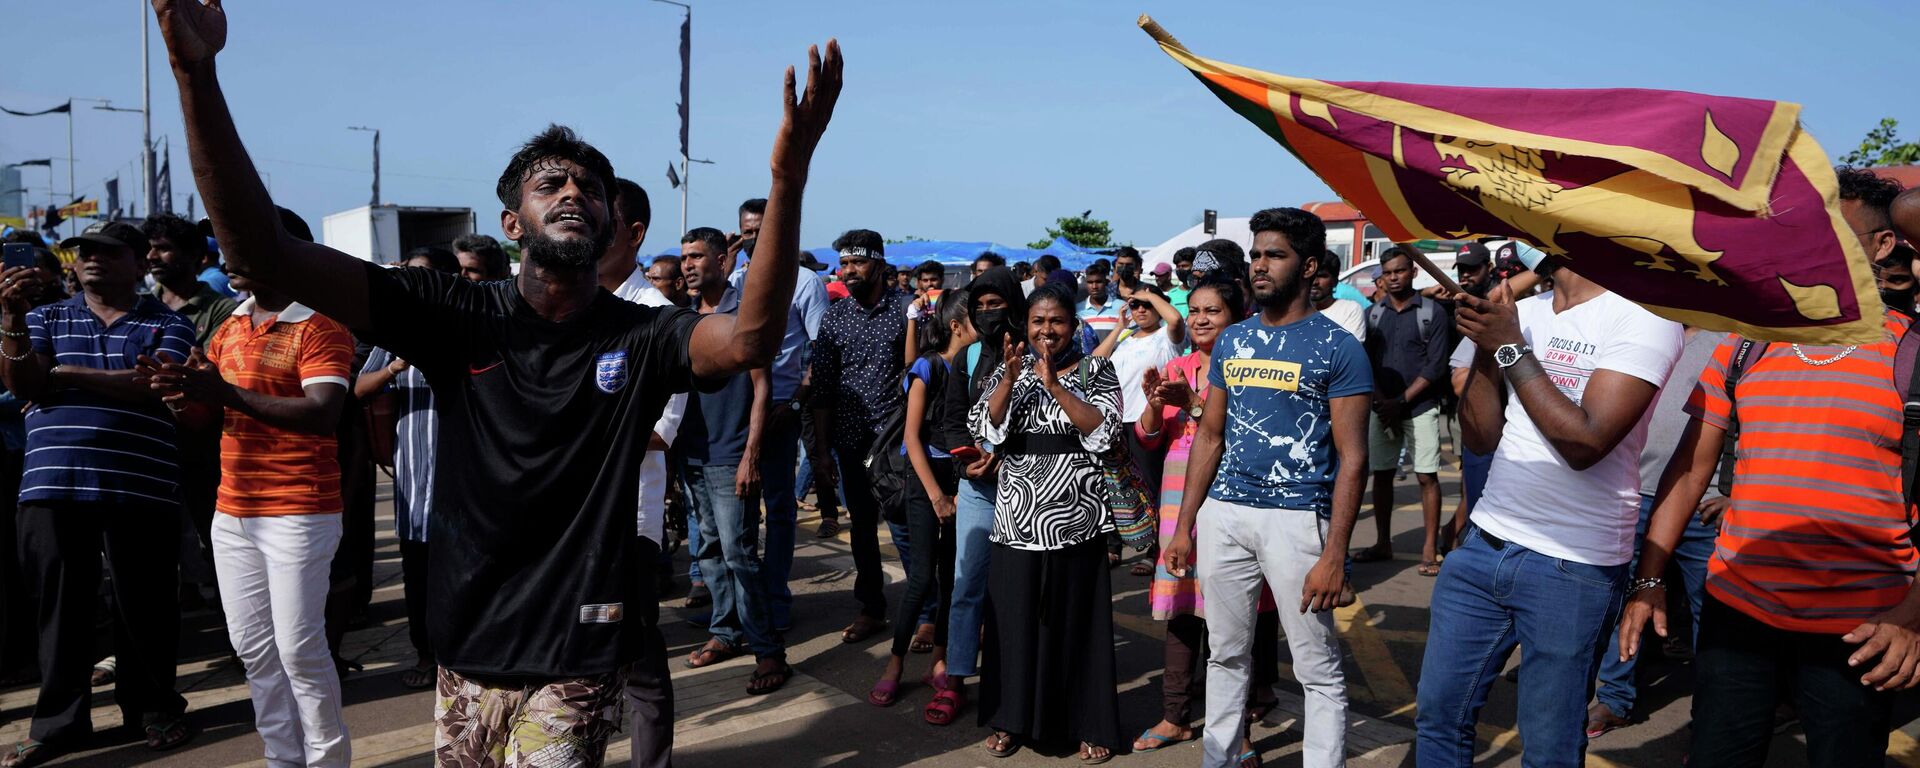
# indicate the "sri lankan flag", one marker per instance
pixel 1713 211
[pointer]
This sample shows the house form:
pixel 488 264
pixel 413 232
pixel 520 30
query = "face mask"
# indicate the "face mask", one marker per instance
pixel 1897 299
pixel 991 323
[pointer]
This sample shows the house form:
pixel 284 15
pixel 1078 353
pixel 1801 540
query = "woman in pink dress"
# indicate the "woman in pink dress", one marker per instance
pixel 1170 419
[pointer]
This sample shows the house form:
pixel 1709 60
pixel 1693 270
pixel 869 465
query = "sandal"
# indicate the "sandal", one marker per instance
pixel 1373 554
pixel 883 692
pixel 758 685
pixel 945 706
pixel 829 528
pixel 863 628
pixel 1259 710
pixel 922 639
pixel 420 677
pixel 710 654
pixel 1000 744
pixel 1142 568
pixel 27 753
pixel 1087 757
pixel 169 733
pixel 936 682
pixel 1159 742
pixel 1428 568
pixel 1248 759
pixel 104 672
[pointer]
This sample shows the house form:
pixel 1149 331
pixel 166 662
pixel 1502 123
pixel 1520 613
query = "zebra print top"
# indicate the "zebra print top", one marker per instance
pixel 1051 501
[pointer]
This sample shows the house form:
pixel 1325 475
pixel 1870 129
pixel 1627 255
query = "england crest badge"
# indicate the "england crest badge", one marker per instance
pixel 610 371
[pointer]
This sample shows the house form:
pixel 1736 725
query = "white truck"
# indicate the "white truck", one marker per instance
pixel 383 234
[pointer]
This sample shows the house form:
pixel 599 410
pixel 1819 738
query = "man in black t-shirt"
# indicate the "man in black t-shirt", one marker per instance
pixel 547 387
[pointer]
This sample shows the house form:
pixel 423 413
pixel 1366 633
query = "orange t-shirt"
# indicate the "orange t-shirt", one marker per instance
pixel 1815 539
pixel 265 470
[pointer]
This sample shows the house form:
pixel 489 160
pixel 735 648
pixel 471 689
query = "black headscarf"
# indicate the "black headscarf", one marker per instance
pixel 1001 282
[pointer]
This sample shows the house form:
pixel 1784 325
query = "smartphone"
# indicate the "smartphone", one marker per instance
pixel 18 255
pixel 966 453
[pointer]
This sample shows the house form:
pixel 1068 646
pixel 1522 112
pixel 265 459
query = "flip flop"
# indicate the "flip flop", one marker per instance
pixel 883 692
pixel 27 753
pixel 1372 555
pixel 937 682
pixel 1142 568
pixel 922 639
pixel 1248 759
pixel 861 629
pixel 785 673
pixel 170 733
pixel 1164 741
pixel 1005 747
pixel 1428 569
pixel 710 654
pixel 1087 758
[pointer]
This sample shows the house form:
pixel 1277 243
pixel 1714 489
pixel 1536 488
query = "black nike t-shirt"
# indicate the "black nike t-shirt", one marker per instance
pixel 535 571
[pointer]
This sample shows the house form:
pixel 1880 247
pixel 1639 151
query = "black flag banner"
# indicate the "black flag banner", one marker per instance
pixel 68 107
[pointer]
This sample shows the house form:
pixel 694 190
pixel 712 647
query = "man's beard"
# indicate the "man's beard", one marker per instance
pixel 1280 295
pixel 570 254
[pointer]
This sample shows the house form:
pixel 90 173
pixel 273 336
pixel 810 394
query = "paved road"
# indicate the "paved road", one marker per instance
pixel 821 718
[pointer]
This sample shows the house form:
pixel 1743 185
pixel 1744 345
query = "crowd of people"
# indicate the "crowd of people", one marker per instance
pixel 556 432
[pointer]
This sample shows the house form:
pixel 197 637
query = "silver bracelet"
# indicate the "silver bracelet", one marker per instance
pixel 1642 585
pixel 23 355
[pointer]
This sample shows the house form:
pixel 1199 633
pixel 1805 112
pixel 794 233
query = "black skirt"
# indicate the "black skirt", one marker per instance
pixel 1048 673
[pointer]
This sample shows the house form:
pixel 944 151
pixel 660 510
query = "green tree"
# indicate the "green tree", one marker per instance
pixel 1083 230
pixel 1882 147
pixel 513 251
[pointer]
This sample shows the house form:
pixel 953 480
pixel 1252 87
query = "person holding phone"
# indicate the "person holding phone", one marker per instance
pixel 100 469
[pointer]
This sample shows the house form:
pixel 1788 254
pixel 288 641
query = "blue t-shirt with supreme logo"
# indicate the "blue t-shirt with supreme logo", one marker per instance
pixel 1279 380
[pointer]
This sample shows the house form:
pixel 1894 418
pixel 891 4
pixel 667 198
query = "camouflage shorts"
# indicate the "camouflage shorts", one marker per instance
pixel 562 724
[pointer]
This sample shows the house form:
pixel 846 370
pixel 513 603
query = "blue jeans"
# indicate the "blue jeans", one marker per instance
pixel 729 556
pixel 903 542
pixel 1617 687
pixel 973 521
pixel 1487 600
pixel 781 448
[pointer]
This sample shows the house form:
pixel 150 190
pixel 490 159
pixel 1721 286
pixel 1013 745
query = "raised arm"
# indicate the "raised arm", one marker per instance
pixel 244 218
pixel 724 345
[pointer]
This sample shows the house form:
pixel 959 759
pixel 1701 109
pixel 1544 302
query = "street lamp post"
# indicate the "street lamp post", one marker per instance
pixel 376 159
pixel 146 146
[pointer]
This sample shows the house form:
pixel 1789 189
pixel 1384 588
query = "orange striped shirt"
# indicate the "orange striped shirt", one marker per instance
pixel 265 470
pixel 1816 538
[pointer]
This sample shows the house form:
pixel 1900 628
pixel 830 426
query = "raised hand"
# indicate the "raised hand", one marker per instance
pixel 1176 392
pixel 1151 384
pixel 18 286
pixel 807 113
pixel 195 30
pixel 1011 352
pixel 1043 364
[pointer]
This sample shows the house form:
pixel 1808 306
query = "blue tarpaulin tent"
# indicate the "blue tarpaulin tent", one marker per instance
pixel 960 253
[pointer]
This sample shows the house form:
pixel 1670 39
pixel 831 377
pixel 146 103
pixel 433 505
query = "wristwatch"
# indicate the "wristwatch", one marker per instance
pixel 1508 354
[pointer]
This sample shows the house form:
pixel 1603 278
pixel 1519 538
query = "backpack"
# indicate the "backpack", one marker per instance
pixel 889 470
pixel 1425 310
pixel 1906 357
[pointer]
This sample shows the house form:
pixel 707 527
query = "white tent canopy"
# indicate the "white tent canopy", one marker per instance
pixel 1231 229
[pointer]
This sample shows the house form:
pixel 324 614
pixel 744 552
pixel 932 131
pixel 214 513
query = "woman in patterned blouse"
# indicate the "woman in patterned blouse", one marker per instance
pixel 1049 672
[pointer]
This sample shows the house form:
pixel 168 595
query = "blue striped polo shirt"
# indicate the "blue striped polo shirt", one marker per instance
pixel 417 430
pixel 83 446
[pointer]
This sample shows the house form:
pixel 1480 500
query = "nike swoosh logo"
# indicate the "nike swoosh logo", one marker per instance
pixel 475 371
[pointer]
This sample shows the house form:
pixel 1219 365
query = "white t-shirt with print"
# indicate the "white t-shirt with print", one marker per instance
pixel 1533 497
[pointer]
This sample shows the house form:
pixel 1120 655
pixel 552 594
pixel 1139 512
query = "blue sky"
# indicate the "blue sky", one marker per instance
pixel 963 121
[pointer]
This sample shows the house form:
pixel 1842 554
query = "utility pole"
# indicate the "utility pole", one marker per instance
pixel 376 159
pixel 146 111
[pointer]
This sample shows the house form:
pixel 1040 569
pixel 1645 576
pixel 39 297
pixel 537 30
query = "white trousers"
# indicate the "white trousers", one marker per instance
pixel 273 584
pixel 1237 548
